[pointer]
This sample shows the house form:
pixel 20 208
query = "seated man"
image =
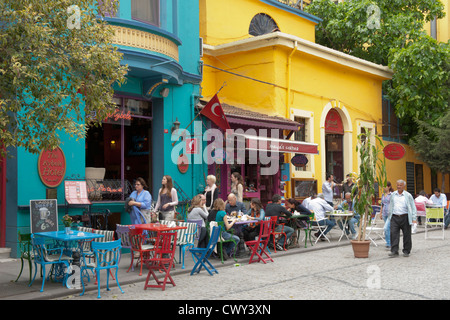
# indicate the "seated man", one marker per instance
pixel 319 206
pixel 276 209
pixel 233 205
pixel 354 220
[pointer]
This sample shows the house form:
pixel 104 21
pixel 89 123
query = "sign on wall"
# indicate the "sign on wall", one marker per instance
pixel 43 215
pixel 394 151
pixel 52 167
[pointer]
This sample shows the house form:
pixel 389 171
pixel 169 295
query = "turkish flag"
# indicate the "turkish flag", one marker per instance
pixel 213 111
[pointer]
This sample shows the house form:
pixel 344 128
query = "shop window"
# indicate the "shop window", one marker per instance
pixel 303 188
pixel 146 11
pixel 301 135
pixel 391 124
pixel 122 148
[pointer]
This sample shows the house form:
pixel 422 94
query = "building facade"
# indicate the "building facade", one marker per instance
pixel 160 44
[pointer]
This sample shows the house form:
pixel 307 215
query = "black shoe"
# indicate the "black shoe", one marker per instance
pixel 405 254
pixel 393 254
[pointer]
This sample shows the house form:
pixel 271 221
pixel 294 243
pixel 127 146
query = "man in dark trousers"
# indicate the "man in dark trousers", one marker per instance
pixel 402 213
pixel 276 209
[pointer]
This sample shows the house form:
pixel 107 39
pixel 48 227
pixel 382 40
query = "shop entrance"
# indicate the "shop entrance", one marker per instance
pixel 334 145
pixel 122 145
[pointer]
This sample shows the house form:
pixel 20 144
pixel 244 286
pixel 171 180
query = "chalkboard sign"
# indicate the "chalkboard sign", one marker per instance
pixel 43 215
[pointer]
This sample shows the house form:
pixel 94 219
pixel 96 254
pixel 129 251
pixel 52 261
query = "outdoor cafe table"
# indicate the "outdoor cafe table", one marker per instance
pixel 341 216
pixel 68 240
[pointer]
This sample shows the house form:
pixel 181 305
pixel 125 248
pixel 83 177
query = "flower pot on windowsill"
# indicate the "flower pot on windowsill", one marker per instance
pixel 360 248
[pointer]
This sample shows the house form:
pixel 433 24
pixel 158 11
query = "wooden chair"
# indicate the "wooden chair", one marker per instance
pixel 123 233
pixel 140 244
pixel 202 254
pixel 276 235
pixel 259 246
pixel 186 238
pixel 162 260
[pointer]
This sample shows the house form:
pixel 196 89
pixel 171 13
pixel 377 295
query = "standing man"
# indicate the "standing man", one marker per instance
pixel 327 189
pixel 402 213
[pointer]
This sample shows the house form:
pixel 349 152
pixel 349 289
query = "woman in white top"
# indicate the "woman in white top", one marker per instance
pixel 167 200
pixel 211 191
pixel 196 212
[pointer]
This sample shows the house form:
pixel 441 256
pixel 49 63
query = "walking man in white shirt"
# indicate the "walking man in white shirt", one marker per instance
pixel 402 213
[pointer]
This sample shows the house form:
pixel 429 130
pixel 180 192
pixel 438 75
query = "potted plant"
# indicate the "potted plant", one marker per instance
pixel 67 221
pixel 372 169
pixel 345 207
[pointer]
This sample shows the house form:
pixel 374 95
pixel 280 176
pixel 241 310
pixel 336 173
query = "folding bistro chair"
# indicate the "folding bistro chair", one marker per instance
pixel 107 256
pixel 277 234
pixel 26 252
pixel 320 228
pixel 162 260
pixel 376 228
pixel 186 238
pixel 435 218
pixel 259 246
pixel 202 254
pixel 221 241
pixel 123 233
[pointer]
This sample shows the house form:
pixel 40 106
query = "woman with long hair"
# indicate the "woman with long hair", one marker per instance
pixel 167 200
pixel 196 212
pixel 256 212
pixel 221 216
pixel 237 186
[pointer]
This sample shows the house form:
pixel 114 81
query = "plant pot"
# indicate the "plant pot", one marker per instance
pixel 360 248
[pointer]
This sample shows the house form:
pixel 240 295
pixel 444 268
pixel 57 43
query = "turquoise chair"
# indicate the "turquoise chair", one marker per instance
pixel 107 256
pixel 45 256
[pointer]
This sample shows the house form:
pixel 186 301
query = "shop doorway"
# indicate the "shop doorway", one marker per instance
pixel 334 145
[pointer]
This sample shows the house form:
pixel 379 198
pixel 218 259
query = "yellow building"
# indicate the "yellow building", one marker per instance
pixel 267 58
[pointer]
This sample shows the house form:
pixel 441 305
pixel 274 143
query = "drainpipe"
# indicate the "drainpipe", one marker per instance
pixel 287 157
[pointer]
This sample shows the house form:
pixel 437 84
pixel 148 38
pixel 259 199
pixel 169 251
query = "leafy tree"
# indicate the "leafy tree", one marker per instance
pixel 57 64
pixel 391 33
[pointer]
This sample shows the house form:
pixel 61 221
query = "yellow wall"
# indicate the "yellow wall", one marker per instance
pixel 443 25
pixel 227 21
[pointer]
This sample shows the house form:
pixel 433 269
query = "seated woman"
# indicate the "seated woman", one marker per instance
pixel 196 212
pixel 256 212
pixel 141 200
pixel 221 216
pixel 294 205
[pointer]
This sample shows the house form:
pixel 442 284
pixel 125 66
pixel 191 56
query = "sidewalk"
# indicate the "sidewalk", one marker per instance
pixel 9 270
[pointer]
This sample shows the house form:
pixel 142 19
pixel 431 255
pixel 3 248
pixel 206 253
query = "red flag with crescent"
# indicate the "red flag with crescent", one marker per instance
pixel 213 111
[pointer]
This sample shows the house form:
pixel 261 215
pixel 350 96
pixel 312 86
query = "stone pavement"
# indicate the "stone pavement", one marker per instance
pixel 9 269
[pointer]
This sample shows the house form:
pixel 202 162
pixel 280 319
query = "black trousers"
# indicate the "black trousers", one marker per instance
pixel 400 223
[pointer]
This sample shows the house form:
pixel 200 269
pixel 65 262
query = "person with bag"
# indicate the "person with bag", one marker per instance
pixel 167 200
pixel 140 203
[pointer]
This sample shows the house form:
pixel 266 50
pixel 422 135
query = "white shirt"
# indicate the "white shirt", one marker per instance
pixel 400 205
pixel 441 201
pixel 319 206
pixel 306 202
pixel 327 191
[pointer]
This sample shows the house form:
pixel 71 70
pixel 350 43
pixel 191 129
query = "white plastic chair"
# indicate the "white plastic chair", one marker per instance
pixel 375 229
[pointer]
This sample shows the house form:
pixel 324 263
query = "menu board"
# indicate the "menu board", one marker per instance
pixel 43 215
pixel 76 192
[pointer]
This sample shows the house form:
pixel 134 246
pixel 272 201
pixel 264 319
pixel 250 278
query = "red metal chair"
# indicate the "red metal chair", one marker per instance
pixel 277 234
pixel 142 245
pixel 162 261
pixel 259 246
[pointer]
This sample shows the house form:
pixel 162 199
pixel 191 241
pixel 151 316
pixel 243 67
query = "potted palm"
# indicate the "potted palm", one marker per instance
pixel 372 169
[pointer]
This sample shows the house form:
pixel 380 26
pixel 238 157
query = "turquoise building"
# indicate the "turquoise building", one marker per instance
pixel 160 43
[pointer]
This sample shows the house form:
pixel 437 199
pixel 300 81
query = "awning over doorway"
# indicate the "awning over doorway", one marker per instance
pixel 277 145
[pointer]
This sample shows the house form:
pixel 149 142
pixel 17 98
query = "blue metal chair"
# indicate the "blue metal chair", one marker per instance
pixel 107 256
pixel 46 256
pixel 202 254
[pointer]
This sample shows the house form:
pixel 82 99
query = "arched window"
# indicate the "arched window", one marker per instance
pixel 262 24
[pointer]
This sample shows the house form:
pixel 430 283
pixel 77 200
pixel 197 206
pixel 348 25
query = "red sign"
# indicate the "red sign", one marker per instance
pixel 52 167
pixel 333 122
pixel 394 151
pixel 183 163
pixel 191 146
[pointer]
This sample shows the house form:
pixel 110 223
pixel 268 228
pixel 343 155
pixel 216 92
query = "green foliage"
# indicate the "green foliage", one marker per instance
pixel 372 169
pixel 44 62
pixel 391 33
